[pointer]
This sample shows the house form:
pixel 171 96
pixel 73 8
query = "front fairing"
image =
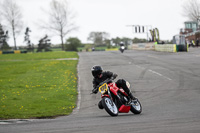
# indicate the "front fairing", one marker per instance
pixel 113 88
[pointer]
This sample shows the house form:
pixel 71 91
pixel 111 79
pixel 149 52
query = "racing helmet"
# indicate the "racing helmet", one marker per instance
pixel 96 70
pixel 121 43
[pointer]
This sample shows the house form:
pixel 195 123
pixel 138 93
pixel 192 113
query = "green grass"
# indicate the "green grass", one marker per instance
pixel 37 88
pixel 38 56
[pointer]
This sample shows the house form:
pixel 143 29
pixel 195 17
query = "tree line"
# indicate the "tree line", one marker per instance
pixel 61 21
pixel 99 39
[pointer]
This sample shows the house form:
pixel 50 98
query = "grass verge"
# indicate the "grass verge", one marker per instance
pixel 37 88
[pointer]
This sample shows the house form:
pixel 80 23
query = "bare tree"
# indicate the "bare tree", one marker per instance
pixel 98 38
pixel 12 16
pixel 61 19
pixel 191 9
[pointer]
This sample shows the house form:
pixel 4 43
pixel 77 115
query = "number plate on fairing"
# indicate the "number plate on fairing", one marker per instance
pixel 103 88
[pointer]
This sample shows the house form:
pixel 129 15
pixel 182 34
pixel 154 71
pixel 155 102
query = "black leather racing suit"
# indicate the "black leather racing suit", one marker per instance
pixel 107 74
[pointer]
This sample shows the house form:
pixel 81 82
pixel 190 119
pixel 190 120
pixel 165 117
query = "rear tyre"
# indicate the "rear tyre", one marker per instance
pixel 110 106
pixel 136 107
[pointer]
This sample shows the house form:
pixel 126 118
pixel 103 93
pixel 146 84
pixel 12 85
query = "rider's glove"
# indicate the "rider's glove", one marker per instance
pixel 95 90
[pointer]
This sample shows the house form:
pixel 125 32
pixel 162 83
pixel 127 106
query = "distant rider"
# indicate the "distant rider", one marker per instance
pixel 121 44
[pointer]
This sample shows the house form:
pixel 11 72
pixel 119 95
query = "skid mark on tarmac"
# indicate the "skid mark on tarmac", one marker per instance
pixel 159 74
pixel 154 72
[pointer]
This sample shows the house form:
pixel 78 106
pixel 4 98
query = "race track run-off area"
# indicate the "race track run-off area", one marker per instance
pixel 167 85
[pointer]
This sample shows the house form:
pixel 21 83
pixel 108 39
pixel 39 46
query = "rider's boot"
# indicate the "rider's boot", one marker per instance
pixel 131 97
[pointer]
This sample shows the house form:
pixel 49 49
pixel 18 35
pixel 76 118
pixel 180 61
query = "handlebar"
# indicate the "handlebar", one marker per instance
pixel 105 81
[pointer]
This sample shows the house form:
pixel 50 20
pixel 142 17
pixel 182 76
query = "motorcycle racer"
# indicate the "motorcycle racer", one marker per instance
pixel 100 75
pixel 122 47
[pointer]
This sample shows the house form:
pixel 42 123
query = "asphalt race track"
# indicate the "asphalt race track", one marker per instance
pixel 167 84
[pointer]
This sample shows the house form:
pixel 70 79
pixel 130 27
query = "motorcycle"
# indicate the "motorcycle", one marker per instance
pixel 115 100
pixel 122 48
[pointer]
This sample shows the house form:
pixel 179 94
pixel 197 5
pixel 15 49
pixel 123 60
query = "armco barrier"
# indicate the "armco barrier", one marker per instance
pixel 166 48
pixel 8 52
pixel 12 52
pixel 17 51
pixel 24 52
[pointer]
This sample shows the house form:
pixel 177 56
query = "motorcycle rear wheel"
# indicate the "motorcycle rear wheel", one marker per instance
pixel 136 107
pixel 110 106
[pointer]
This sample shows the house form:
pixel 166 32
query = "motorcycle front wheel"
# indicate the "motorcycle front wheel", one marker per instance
pixel 110 106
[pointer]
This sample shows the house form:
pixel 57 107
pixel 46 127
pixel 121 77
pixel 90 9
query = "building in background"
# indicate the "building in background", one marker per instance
pixel 191 31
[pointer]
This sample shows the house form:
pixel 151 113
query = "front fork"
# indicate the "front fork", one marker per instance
pixel 108 95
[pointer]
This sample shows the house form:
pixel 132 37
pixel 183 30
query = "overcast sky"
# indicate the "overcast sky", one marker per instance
pixel 111 16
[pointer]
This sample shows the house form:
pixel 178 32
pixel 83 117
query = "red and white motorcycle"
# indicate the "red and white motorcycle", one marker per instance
pixel 115 100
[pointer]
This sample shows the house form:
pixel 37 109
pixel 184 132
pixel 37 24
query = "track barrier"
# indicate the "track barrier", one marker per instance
pixel 159 47
pixel 13 52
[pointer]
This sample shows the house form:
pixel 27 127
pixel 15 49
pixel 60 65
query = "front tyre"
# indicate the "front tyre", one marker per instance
pixel 110 106
pixel 136 107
